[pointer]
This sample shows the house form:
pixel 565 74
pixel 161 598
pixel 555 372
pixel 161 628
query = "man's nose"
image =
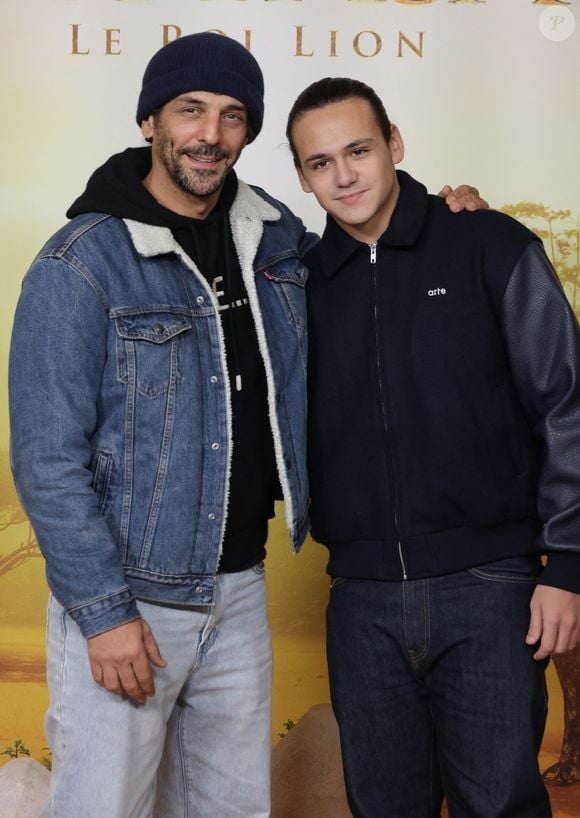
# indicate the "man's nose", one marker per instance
pixel 209 129
pixel 345 174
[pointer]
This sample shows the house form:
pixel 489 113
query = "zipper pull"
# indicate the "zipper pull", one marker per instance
pixel 403 566
pixel 238 383
pixel 374 252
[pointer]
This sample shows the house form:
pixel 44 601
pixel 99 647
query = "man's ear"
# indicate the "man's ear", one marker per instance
pixel 305 186
pixel 396 145
pixel 147 128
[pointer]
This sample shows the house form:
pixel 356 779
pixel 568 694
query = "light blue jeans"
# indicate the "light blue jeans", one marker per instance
pixel 200 748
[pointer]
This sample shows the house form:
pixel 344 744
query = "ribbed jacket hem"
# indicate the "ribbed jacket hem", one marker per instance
pixel 434 554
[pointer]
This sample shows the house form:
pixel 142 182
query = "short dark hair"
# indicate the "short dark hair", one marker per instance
pixel 335 89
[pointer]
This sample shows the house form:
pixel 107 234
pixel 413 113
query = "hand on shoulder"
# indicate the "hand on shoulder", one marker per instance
pixel 463 197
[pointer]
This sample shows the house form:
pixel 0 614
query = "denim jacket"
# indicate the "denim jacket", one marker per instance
pixel 120 404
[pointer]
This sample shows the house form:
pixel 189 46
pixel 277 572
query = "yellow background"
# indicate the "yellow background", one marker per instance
pixel 488 100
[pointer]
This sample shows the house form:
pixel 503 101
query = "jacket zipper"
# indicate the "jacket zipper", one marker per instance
pixel 373 259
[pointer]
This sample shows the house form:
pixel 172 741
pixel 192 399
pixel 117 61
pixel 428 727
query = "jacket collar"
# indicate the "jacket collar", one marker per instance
pixel 336 246
pixel 151 240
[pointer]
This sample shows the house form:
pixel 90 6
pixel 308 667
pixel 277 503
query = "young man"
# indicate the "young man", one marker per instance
pixel 444 458
pixel 158 406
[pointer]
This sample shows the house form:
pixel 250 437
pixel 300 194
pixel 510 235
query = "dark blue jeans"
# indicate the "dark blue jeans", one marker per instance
pixel 436 693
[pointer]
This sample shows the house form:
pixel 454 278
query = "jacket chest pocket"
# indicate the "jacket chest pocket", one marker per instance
pixel 287 277
pixel 149 350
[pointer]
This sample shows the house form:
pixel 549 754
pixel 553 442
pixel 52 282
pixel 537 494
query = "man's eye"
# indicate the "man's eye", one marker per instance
pixel 320 165
pixel 359 151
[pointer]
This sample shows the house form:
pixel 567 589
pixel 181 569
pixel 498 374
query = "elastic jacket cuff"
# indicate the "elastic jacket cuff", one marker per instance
pixel 562 571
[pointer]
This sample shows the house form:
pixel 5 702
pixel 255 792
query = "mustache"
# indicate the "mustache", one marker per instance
pixel 205 152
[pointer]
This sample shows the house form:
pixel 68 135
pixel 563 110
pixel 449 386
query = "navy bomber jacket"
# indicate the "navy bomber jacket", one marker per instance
pixel 444 420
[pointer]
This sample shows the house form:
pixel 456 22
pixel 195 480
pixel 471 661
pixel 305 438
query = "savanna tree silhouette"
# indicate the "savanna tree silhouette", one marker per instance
pixel 560 232
pixel 11 514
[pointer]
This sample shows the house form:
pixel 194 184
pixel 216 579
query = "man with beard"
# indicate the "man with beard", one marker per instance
pixel 158 408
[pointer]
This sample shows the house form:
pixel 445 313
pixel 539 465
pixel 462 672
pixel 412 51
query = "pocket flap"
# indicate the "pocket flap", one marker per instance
pixel 289 270
pixel 154 327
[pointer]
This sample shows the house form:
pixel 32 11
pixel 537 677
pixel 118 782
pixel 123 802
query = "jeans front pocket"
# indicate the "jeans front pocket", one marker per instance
pixel 336 581
pixel 524 569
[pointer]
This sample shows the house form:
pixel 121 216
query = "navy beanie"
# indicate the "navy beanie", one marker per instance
pixel 204 62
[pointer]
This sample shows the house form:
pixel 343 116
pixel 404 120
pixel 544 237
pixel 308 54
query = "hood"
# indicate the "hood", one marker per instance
pixel 116 189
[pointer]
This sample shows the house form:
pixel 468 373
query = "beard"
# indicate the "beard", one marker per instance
pixel 195 181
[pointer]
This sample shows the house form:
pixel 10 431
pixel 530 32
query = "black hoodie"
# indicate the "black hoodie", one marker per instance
pixel 117 189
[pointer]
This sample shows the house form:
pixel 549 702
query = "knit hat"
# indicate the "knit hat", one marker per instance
pixel 204 62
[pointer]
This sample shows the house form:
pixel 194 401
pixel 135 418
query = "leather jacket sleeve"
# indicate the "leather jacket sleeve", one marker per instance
pixel 543 343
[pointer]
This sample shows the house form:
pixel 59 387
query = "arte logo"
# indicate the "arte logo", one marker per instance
pixel 437 291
